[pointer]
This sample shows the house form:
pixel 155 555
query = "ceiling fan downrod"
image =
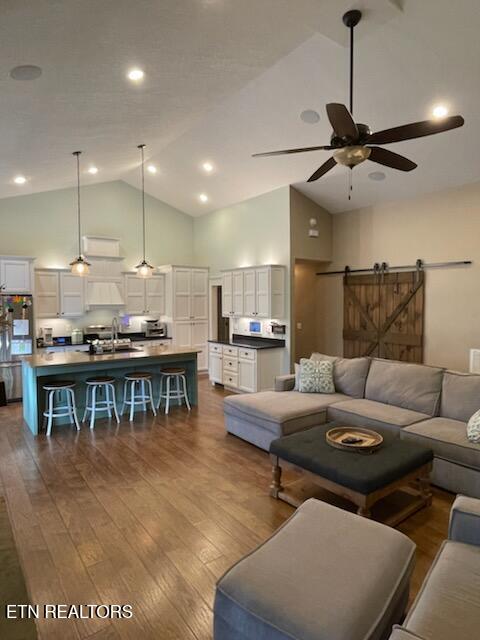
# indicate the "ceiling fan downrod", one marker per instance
pixel 350 20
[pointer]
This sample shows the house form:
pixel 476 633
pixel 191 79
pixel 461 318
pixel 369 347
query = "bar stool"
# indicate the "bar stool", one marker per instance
pixel 58 410
pixel 131 398
pixel 106 385
pixel 168 375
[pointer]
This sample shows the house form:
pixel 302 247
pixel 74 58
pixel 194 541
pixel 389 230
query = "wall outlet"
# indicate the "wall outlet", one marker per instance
pixel 299 326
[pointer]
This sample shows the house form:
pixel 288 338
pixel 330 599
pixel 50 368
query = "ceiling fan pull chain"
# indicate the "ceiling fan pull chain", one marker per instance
pixel 350 182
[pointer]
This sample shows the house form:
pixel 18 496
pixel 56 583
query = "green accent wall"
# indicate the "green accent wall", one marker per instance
pixel 44 225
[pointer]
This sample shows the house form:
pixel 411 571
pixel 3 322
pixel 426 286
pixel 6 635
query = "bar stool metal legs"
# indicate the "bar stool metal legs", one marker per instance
pixel 53 407
pixel 179 393
pixel 93 405
pixel 138 390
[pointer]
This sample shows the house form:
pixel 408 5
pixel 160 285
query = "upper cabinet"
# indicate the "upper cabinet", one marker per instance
pixel 145 295
pixel 16 275
pixel 257 292
pixel 58 294
pixel 186 293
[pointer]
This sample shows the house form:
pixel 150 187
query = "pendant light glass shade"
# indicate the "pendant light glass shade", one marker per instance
pixel 144 269
pixel 79 267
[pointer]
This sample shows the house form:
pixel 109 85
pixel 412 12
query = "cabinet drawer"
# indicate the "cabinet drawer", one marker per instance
pixel 247 354
pixel 230 351
pixel 230 379
pixel 230 364
pixel 216 348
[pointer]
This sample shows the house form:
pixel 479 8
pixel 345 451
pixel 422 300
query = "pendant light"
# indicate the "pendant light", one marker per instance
pixel 144 269
pixel 80 266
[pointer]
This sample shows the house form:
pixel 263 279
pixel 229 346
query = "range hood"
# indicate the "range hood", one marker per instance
pixel 104 294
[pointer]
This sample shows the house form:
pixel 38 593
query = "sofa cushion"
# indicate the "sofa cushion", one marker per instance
pixel 447 438
pixel 368 413
pixel 349 374
pixel 406 385
pixel 448 605
pixel 281 413
pixel 460 395
pixel 293 586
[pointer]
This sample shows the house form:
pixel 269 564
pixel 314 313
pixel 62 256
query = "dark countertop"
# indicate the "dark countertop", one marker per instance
pixel 134 337
pixel 252 342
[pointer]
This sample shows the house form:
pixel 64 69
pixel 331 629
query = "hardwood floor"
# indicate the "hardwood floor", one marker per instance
pixel 148 514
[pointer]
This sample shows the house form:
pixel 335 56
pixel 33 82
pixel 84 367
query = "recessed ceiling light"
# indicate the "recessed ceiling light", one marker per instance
pixel 26 72
pixel 20 180
pixel 203 197
pixel 208 167
pixel 309 116
pixel 135 74
pixel 439 111
pixel 92 170
pixel 152 168
pixel 377 175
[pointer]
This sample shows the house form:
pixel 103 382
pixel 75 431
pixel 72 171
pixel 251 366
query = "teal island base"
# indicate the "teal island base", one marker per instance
pixel 39 369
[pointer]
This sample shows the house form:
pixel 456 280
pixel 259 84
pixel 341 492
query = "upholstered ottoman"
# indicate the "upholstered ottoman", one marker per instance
pixel 326 574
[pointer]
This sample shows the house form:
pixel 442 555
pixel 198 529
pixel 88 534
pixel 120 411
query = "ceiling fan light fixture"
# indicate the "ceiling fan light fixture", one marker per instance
pixel 351 156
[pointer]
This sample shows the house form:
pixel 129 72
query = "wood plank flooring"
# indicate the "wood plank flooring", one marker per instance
pixel 148 514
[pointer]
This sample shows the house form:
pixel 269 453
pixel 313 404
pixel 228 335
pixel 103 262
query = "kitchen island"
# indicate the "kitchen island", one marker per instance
pixel 41 368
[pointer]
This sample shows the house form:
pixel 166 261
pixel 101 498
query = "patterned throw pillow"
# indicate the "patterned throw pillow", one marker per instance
pixel 473 428
pixel 316 377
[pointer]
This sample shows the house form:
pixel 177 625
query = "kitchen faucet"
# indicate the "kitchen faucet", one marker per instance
pixel 114 332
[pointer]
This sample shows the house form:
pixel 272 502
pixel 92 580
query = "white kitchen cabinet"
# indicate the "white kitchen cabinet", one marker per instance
pixel 72 295
pixel 249 292
pixel 243 369
pixel 155 295
pixel 47 294
pixel 15 275
pixel 59 294
pixel 192 334
pixel 232 294
pixel 145 296
pixel 215 366
pixel 256 292
pixel 186 308
pixel 247 374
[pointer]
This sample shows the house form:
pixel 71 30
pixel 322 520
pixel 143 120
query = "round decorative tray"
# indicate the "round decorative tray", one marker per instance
pixel 354 439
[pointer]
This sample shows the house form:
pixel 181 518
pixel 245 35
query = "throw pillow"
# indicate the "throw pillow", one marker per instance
pixel 316 377
pixel 473 428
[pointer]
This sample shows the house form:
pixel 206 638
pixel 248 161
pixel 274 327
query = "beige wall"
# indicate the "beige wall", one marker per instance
pixel 303 247
pixel 437 227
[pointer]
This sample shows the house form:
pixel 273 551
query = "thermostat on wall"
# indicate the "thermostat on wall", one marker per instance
pixel 255 326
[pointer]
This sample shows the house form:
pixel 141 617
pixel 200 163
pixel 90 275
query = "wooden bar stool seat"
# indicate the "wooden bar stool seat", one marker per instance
pixel 54 409
pixel 104 385
pixel 176 375
pixel 137 390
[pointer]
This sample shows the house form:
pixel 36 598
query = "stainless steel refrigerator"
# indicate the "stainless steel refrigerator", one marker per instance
pixel 16 340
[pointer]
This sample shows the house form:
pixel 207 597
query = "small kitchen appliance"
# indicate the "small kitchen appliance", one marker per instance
pixel 154 329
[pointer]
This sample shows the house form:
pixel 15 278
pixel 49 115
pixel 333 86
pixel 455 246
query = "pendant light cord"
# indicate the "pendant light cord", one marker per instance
pixel 351 68
pixel 77 154
pixel 142 148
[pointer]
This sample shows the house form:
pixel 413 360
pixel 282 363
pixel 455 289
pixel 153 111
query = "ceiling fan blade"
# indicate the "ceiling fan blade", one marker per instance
pixel 390 159
pixel 415 130
pixel 341 121
pixel 326 166
pixel 288 151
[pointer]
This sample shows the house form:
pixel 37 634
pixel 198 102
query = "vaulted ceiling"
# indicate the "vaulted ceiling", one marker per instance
pixel 225 79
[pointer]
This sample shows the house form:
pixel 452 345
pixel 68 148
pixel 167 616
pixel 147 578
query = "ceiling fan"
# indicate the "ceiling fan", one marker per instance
pixel 354 143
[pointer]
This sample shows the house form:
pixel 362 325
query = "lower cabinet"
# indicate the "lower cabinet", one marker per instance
pixel 193 334
pixel 244 370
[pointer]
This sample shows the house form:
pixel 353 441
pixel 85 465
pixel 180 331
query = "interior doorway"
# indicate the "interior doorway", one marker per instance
pixel 219 326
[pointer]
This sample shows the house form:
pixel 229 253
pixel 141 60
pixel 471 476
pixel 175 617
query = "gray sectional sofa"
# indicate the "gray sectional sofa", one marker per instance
pixel 426 404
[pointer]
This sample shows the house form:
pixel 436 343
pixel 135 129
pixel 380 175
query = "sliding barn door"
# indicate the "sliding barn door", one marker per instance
pixel 383 316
